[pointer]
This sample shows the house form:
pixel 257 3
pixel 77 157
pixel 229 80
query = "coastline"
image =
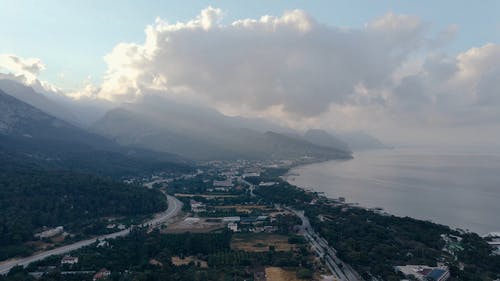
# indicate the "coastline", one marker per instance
pixel 378 210
pixel 375 190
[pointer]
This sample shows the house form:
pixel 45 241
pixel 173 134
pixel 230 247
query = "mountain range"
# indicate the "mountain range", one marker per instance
pixel 31 136
pixel 154 128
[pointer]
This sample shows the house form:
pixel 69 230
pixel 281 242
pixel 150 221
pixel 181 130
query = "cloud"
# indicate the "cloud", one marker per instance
pixel 290 61
pixel 26 71
pixel 392 73
pixel 29 67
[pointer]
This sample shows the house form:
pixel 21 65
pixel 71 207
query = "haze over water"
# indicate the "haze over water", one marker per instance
pixel 456 189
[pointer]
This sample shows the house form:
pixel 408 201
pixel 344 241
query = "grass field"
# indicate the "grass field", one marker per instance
pixel 260 242
pixel 280 274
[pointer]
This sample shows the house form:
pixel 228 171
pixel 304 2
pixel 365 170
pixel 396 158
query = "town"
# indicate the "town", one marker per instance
pixel 255 212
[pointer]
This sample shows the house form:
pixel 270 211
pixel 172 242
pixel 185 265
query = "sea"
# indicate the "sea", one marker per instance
pixel 457 188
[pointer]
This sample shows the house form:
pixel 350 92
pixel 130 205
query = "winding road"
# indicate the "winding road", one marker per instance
pixel 174 207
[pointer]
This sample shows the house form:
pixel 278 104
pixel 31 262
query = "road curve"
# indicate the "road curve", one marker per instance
pixel 174 207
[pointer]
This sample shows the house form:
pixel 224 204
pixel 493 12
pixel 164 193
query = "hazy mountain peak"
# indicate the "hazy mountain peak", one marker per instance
pixel 29 96
pixel 323 138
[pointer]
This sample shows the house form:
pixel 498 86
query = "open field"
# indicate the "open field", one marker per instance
pixel 177 261
pixel 260 242
pixel 280 274
pixel 195 225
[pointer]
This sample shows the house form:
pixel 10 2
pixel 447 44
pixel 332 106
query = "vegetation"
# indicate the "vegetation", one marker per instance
pixel 31 198
pixel 130 258
pixel 374 243
pixel 284 193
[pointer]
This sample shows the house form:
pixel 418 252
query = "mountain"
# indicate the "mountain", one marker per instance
pixel 28 95
pixel 322 138
pixel 201 133
pixel 30 135
pixel 362 141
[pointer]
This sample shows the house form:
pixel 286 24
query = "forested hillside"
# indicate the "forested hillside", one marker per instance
pixel 31 197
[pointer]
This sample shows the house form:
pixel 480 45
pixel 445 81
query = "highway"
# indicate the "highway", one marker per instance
pixel 174 207
pixel 339 269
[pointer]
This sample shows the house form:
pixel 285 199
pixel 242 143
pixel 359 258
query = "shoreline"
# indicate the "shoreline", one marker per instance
pixel 377 209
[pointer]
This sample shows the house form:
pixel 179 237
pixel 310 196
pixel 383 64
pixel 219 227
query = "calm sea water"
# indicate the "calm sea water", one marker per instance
pixel 457 189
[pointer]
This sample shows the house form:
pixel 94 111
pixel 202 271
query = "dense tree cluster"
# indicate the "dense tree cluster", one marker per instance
pixel 31 198
pixel 375 243
pixel 284 193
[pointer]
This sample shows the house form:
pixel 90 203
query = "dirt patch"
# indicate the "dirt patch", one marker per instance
pixel 155 262
pixel 280 274
pixel 177 261
pixel 195 225
pixel 260 242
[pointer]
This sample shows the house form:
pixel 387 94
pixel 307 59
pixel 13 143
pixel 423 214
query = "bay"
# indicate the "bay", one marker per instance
pixel 459 189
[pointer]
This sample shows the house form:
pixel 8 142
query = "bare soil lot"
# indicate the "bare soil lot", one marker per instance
pixel 260 242
pixel 280 274
pixel 195 225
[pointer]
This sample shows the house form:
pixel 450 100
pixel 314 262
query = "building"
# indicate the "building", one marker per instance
pixel 50 232
pixel 101 274
pixel 251 175
pixel 270 183
pixel 231 219
pixel 103 244
pixel 425 273
pixel 69 260
pixel 232 226
pixel 197 207
pixel 223 184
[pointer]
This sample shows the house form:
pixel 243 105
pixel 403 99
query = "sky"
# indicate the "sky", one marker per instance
pixel 419 67
pixel 71 37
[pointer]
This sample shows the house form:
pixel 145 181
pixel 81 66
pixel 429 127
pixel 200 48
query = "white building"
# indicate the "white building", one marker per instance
pixel 225 183
pixel 232 226
pixel 50 233
pixel 231 219
pixel 69 260
pixel 425 273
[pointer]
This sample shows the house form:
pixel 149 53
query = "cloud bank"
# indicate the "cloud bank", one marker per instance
pixel 392 73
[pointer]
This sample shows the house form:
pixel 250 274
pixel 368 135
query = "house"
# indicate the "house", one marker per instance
pixel 102 243
pixel 101 274
pixel 232 226
pixel 69 260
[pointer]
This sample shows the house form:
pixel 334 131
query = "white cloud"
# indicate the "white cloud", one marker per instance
pixel 302 72
pixel 289 61
pixel 26 71
pixel 389 74
pixel 28 67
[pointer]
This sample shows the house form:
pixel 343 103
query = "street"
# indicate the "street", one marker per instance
pixel 174 207
pixel 340 270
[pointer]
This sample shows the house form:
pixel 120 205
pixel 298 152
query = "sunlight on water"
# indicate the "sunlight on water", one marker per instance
pixel 457 189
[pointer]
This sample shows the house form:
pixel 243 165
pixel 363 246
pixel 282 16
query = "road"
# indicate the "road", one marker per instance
pixel 251 186
pixel 174 207
pixel 340 270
